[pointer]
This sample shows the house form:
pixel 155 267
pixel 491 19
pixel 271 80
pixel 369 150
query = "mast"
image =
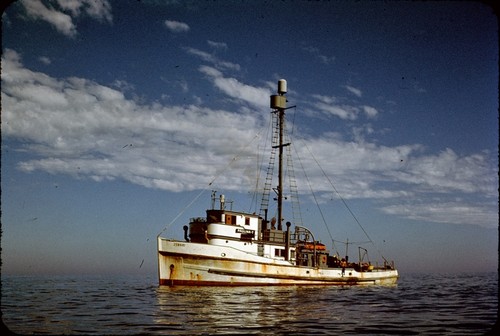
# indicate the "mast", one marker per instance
pixel 278 102
pixel 281 121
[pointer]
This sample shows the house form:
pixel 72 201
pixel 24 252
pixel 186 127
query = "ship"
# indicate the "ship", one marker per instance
pixel 237 248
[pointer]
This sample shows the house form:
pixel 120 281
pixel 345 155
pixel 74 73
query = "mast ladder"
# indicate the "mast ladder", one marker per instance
pixel 264 205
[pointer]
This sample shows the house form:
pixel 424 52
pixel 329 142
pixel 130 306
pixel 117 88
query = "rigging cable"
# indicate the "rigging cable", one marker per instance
pixel 338 194
pixel 260 160
pixel 336 191
pixel 183 210
pixel 314 195
pixel 343 201
pixel 210 184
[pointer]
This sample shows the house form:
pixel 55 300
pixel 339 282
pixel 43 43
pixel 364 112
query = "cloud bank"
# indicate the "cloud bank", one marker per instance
pixel 78 127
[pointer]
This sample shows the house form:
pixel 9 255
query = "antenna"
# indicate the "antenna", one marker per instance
pixel 279 101
pixel 282 86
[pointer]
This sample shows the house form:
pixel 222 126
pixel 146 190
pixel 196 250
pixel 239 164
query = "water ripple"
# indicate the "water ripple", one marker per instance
pixel 423 304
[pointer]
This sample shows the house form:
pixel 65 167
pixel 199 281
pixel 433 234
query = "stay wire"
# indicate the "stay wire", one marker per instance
pixel 344 202
pixel 313 194
pixel 183 210
pixel 260 161
pixel 338 194
pixel 234 159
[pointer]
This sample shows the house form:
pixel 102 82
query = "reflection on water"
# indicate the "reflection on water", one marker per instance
pixel 244 309
pixel 420 304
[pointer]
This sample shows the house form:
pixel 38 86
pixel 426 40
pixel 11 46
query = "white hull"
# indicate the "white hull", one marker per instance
pixel 187 263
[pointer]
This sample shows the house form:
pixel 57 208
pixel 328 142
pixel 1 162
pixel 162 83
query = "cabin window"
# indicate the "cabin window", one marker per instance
pixel 247 220
pixel 279 252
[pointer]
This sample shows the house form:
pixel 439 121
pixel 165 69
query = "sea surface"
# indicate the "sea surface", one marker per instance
pixel 421 304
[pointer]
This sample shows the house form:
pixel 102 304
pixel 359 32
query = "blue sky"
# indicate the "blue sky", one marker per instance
pixel 116 115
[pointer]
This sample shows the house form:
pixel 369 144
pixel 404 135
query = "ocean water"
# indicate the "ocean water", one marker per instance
pixel 421 304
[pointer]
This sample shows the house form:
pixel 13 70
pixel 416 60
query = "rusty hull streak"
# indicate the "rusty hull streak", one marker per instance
pixel 195 279
pixel 201 257
pixel 164 282
pixel 348 280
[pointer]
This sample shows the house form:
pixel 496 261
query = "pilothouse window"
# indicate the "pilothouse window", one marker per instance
pixel 279 252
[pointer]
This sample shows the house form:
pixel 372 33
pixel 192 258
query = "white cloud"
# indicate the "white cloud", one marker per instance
pixel 325 99
pixel 45 60
pixel 448 172
pixel 443 211
pixel 217 45
pixel 317 53
pixel 404 176
pixel 84 129
pixel 55 14
pixel 326 59
pixel 331 106
pixel 81 128
pixel 326 105
pixel 62 22
pixel 123 85
pixel 353 90
pixel 97 9
pixel 213 59
pixel 176 26
pixel 258 97
pixel 201 54
pixel 370 112
pixel 184 85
